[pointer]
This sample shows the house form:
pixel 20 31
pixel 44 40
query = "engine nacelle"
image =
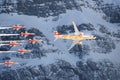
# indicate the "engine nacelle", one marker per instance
pixel 80 43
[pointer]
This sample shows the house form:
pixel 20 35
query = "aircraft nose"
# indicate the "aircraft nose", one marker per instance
pixel 29 50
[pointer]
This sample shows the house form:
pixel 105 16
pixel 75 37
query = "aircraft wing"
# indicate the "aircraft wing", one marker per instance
pixel 73 44
pixel 9 65
pixel 77 32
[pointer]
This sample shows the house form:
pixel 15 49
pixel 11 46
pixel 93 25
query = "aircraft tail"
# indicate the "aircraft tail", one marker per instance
pixel 57 34
pixel 55 38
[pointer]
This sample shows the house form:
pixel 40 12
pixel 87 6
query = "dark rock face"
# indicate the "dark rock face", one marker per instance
pixel 63 70
pixel 80 51
pixel 116 34
pixel 46 8
pixel 105 44
pixel 104 30
pixel 40 8
pixel 112 11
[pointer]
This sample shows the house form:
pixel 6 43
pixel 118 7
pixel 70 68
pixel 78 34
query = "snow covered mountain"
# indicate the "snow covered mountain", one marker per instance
pixel 94 60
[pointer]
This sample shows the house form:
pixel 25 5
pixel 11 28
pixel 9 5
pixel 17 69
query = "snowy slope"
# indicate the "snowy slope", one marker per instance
pixel 86 16
pixel 105 47
pixel 116 2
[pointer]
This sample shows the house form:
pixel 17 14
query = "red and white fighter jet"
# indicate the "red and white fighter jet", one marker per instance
pixel 34 40
pixel 11 44
pixel 9 63
pixel 22 51
pixel 15 27
pixel 26 34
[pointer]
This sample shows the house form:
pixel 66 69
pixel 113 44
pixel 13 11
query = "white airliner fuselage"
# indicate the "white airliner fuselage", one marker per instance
pixel 76 37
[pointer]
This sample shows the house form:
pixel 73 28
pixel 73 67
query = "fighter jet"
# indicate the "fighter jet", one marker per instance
pixel 34 40
pixel 11 44
pixel 14 44
pixel 26 34
pixel 9 63
pixel 15 27
pixel 76 37
pixel 22 51
pixel 7 41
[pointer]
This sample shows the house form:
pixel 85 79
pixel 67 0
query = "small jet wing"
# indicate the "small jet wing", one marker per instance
pixel 73 44
pixel 77 32
pixel 9 65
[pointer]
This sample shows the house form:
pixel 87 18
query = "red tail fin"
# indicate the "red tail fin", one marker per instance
pixel 22 34
pixel 56 33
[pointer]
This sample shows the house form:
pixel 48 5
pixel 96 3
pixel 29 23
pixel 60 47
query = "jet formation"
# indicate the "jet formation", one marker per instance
pixel 75 37
pixel 15 43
